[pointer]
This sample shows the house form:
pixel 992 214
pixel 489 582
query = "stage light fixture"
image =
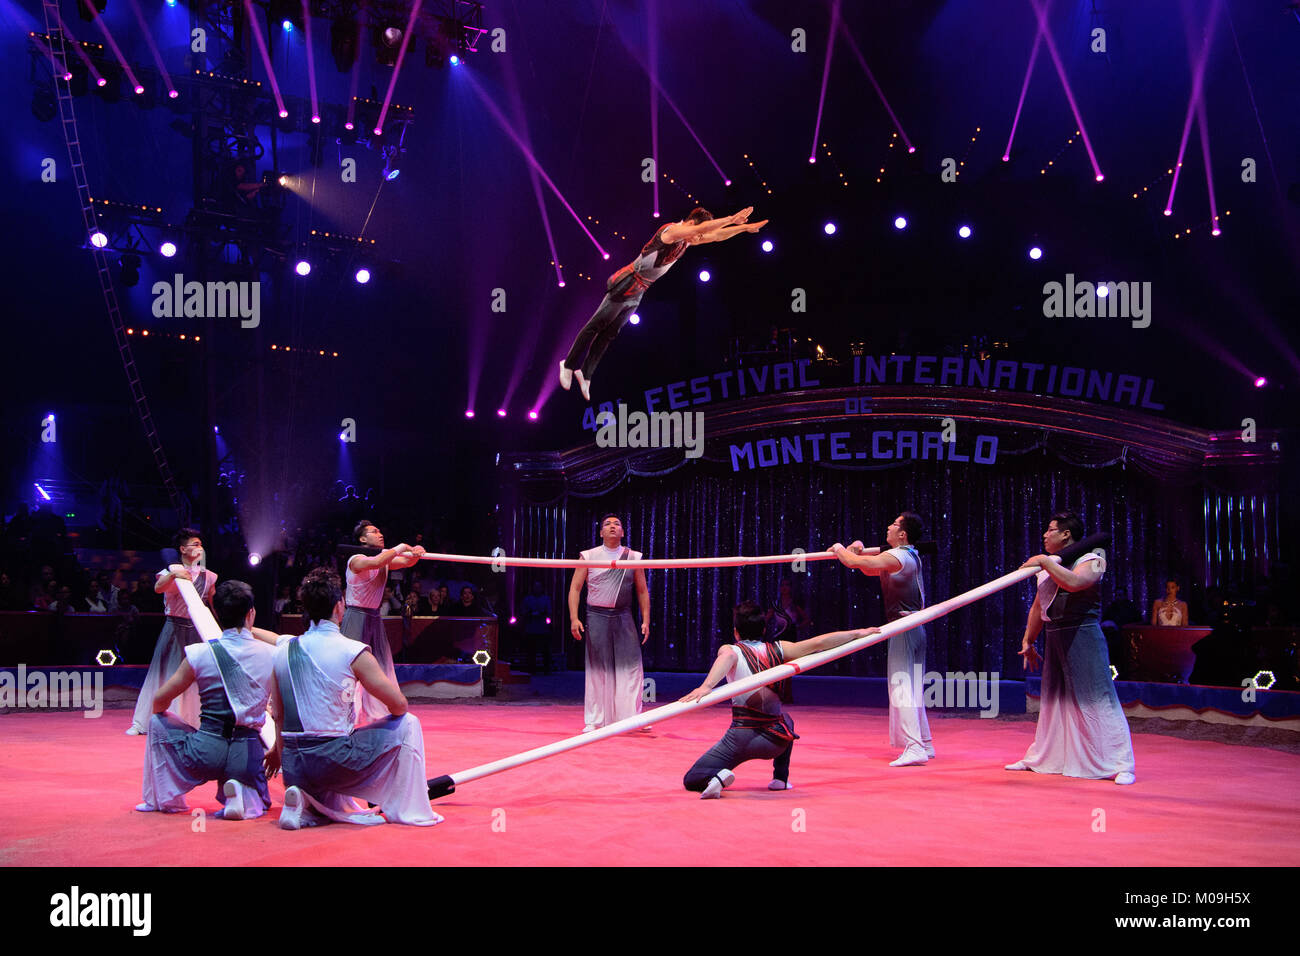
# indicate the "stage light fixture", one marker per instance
pixel 254 559
pixel 469 413
pixel 829 228
pixel 704 275
pixel 168 249
pixel 363 276
pixel 964 232
pixel 1035 253
pixel 392 36
pixel 634 319
pixel 767 245
pixel 303 267
pixel 900 223
pixel 532 415
pixel 501 413
pixel 1261 381
pixel 455 60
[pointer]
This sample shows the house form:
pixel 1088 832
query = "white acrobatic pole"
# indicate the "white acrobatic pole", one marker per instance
pixel 210 630
pixel 502 561
pixel 441 786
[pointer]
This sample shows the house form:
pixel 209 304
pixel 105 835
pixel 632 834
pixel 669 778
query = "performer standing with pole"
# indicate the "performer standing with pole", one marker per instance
pixel 178 632
pixel 613 656
pixel 1082 730
pixel 626 286
pixel 366 577
pixel 902 587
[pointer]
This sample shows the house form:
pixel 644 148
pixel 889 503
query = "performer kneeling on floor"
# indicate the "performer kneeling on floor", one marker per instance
pixel 326 762
pixel 233 674
pixel 759 729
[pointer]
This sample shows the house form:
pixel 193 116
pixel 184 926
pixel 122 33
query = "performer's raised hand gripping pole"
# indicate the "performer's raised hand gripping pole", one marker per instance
pixel 446 784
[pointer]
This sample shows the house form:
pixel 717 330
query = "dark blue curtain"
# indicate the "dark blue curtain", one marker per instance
pixel 985 521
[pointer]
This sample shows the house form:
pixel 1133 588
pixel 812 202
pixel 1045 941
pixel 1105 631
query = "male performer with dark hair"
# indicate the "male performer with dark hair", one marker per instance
pixel 233 676
pixel 903 589
pixel 625 287
pixel 177 633
pixel 614 676
pixel 366 577
pixel 326 761
pixel 759 729
pixel 1082 730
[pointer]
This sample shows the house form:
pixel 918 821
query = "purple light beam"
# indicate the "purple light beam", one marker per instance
pixel 1041 12
pixel 826 75
pixel 397 68
pixel 862 61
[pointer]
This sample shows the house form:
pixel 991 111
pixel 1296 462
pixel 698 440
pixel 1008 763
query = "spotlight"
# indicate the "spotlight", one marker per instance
pixel 392 36
pixel 287 26
pixel 315 119
pixel 1261 381
pixel 812 159
pixel 173 94
pixel 138 89
pixel 900 223
pixel 254 559
pixel 513 619
pixel 469 413
pixel 767 245
pixel 964 232
pixel 1169 212
pixel 1100 177
pixel 1216 231
pixel 303 267
pixel 284 114
pixel 283 180
pixel 1102 290
pixel 501 413
pixel 1035 253
pixel 634 319
pixel 349 125
pixel 532 416
pixel 168 249
pixel 44 494
pixel 726 182
pixel 455 61
pixel 98 239
pixel 911 149
pixel 101 82
pixel 704 275
pixel 1006 158
pixel 129 265
pixel 829 228
pixel 392 174
pixel 363 276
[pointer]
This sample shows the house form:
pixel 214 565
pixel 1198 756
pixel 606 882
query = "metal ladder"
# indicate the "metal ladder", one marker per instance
pixel 68 121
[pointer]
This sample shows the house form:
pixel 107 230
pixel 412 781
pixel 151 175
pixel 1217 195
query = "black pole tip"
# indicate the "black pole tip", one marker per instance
pixel 441 787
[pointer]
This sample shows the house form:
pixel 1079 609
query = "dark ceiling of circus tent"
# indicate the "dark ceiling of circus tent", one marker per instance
pixel 462 220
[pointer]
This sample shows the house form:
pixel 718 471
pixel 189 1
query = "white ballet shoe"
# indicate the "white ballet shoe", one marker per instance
pixel 721 780
pixel 1124 779
pixel 236 806
pixel 566 376
pixel 584 383
pixel 134 731
pixel 1018 765
pixel 780 785
pixel 295 814
pixel 911 757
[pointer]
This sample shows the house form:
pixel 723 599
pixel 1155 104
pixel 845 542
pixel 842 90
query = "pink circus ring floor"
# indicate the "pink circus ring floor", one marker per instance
pixel 68 785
